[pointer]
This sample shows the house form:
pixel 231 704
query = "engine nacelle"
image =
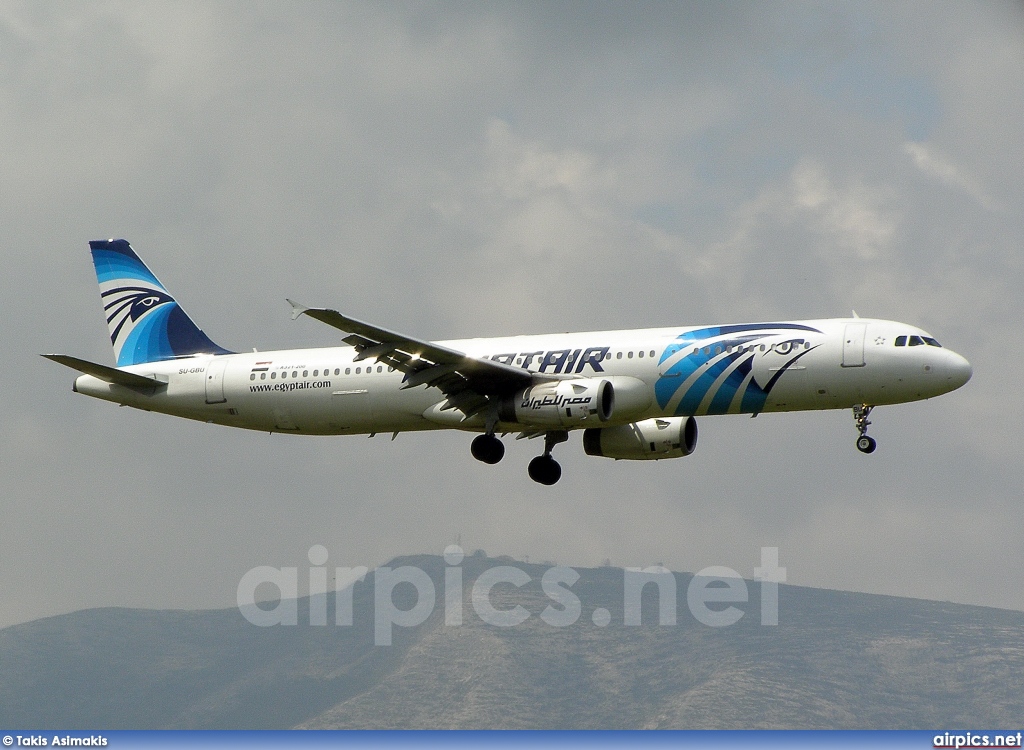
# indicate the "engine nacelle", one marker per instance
pixel 633 397
pixel 562 403
pixel 650 439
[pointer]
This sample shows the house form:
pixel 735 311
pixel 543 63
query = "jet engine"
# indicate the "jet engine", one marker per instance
pixel 562 403
pixel 650 439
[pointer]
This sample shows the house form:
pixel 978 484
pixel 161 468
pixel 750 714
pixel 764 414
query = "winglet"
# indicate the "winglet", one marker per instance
pixel 297 309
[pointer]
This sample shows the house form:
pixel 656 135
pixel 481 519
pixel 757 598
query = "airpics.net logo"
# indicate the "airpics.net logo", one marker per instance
pixel 714 595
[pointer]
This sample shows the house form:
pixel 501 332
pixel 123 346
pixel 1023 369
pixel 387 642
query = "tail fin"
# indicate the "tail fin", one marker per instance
pixel 146 323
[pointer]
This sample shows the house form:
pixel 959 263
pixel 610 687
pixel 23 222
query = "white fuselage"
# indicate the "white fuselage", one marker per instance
pixel 686 371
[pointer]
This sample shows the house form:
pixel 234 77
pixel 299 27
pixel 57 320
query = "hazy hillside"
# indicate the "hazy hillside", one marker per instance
pixel 835 660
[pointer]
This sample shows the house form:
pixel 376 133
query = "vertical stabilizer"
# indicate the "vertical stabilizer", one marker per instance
pixel 146 323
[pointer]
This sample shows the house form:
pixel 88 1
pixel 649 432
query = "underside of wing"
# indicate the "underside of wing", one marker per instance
pixel 469 383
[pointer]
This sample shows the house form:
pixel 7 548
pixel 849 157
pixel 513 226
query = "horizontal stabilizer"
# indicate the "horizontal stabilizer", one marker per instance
pixel 104 373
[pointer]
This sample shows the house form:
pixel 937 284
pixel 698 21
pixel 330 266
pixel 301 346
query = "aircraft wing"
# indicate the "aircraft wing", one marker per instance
pixel 468 382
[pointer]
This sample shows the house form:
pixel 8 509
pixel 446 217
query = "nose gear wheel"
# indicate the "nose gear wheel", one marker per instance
pixel 865 444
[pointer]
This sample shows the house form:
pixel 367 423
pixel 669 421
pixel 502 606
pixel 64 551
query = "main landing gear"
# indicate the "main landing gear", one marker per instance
pixel 544 469
pixel 487 448
pixel 865 444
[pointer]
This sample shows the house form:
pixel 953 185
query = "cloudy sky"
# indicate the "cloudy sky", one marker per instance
pixel 474 169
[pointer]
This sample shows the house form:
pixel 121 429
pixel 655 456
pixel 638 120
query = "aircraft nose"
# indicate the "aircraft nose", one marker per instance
pixel 958 370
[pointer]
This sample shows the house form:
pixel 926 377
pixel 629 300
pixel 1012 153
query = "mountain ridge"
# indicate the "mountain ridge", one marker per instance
pixel 836 659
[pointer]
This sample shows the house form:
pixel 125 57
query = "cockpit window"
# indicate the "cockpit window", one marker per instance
pixel 916 341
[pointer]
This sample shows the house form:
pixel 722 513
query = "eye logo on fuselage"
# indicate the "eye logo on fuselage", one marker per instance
pixel 720 377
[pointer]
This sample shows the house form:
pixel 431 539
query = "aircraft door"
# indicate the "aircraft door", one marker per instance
pixel 853 344
pixel 215 380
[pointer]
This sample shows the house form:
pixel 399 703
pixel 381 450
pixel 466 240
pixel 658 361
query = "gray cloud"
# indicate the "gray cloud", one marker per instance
pixel 487 169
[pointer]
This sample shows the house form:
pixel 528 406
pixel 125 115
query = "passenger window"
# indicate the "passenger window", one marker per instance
pixel 380 368
pixel 762 347
pixel 337 371
pixel 618 355
pixel 652 352
pixel 305 373
pixel 707 350
pixel 391 369
pixel 640 355
pixel 348 370
pixel 295 373
pixel 359 370
pixel 263 376
pixel 252 376
pixel 273 375
pixel 901 341
pixel 916 341
pixel 630 355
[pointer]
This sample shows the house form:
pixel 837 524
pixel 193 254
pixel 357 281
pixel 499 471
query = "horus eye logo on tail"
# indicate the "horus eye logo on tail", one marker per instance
pixel 146 323
pixel 128 304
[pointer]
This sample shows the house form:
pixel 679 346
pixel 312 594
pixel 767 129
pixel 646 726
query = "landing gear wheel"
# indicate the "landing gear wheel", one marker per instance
pixel 866 444
pixel 487 448
pixel 545 470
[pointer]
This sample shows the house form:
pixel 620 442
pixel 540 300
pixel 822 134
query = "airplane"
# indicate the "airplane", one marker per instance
pixel 635 394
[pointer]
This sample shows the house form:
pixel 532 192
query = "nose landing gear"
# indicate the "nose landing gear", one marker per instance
pixel 865 444
pixel 544 469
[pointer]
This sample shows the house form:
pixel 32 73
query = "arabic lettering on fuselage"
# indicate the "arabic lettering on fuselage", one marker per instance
pixel 558 360
pixel 554 400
